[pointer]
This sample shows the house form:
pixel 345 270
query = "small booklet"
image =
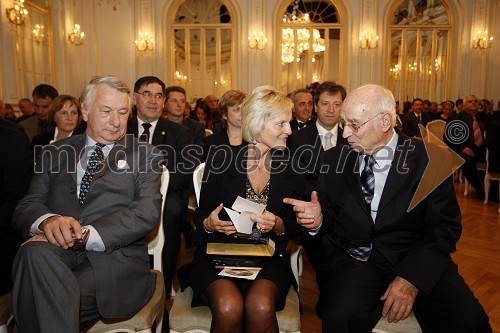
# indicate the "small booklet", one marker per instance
pixel 248 273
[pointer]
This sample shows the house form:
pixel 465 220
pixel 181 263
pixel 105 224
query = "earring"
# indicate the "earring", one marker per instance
pixel 254 141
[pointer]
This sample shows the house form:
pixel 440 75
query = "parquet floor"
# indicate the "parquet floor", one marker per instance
pixel 477 255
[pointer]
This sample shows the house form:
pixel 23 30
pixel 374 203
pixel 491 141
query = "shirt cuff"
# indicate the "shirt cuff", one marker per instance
pixel 94 243
pixel 34 230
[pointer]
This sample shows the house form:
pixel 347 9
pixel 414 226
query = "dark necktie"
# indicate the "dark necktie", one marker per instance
pixel 419 118
pixel 145 135
pixel 300 125
pixel 368 179
pixel 362 253
pixel 94 164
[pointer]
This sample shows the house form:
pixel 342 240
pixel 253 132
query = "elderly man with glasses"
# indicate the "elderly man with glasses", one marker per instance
pixel 378 257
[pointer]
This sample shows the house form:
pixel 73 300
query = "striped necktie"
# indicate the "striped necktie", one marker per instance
pixel 94 164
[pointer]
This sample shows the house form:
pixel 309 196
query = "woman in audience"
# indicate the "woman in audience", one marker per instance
pixel 261 172
pixel 447 111
pixel 65 113
pixel 230 109
pixel 202 114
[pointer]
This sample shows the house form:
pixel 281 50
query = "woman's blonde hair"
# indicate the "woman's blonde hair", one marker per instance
pixel 264 103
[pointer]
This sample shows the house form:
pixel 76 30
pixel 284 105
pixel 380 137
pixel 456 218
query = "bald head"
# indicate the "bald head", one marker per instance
pixel 368 114
pixel 471 104
pixel 371 99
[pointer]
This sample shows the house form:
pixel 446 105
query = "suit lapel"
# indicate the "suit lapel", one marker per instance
pixel 75 154
pixel 133 127
pixel 349 161
pixel 160 133
pixel 281 185
pixel 399 172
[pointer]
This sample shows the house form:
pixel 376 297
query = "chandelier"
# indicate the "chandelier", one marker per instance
pixel 17 13
pixel 288 47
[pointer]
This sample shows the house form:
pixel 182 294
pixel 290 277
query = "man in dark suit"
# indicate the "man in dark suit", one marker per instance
pixel 302 109
pixel 470 144
pixel 377 257
pixel 171 138
pixel 16 166
pixel 411 120
pixel 43 94
pixel 310 142
pixel 102 184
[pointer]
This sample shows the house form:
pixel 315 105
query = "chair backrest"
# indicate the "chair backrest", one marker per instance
pixel 156 239
pixel 208 132
pixel 197 180
pixel 436 127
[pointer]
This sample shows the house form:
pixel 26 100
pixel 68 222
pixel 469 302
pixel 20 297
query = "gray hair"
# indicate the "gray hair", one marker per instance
pixel 88 95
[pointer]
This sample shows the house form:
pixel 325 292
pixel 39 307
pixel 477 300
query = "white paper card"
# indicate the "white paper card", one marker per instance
pixel 249 274
pixel 240 214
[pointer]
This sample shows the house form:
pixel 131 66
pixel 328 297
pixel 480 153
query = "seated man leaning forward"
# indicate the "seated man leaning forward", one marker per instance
pixel 376 257
pixel 91 201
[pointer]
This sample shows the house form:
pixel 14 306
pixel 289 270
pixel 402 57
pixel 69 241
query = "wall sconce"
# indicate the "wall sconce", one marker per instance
pixel 368 40
pixel 395 70
pixel 481 41
pixel 180 77
pixel 38 34
pixel 17 13
pixel 76 37
pixel 257 40
pixel 145 42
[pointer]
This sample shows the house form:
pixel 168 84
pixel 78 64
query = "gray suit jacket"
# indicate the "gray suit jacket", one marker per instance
pixel 123 205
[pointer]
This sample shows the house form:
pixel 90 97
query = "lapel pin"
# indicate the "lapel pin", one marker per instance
pixel 162 132
pixel 405 165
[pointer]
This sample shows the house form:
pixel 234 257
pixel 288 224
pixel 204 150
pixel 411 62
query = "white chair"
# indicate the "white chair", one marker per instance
pixel 5 311
pixel 488 177
pixel 480 166
pixel 409 325
pixel 197 180
pixel 152 312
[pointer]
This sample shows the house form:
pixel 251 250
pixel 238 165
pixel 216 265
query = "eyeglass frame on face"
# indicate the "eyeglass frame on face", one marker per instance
pixel 355 128
pixel 148 95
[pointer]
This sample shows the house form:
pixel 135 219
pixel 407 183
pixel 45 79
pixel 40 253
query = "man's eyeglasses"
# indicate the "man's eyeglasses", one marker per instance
pixel 149 95
pixel 355 128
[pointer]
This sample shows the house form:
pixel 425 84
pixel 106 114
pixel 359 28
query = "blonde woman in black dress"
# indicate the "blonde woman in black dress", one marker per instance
pixel 262 172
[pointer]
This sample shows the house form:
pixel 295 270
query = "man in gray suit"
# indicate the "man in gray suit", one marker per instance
pixel 62 279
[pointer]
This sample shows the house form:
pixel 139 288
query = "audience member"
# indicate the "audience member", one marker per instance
pixel 459 104
pixel 203 114
pixel 302 107
pixel 16 167
pixel 65 112
pixel 212 103
pixel 470 146
pixel 412 119
pixel 27 108
pixel 378 258
pixel 171 138
pixel 262 173
pixel 447 111
pixel 43 95
pixel 310 143
pixel 9 112
pixel 63 278
pixel 231 135
pixel 492 135
pixel 175 99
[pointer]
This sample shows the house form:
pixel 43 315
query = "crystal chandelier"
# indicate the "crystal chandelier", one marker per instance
pixel 303 36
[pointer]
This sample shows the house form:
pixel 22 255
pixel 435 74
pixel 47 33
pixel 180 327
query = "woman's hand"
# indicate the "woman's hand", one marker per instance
pixel 213 223
pixel 267 222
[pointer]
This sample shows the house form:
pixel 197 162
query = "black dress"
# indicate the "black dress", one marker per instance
pixel 225 180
